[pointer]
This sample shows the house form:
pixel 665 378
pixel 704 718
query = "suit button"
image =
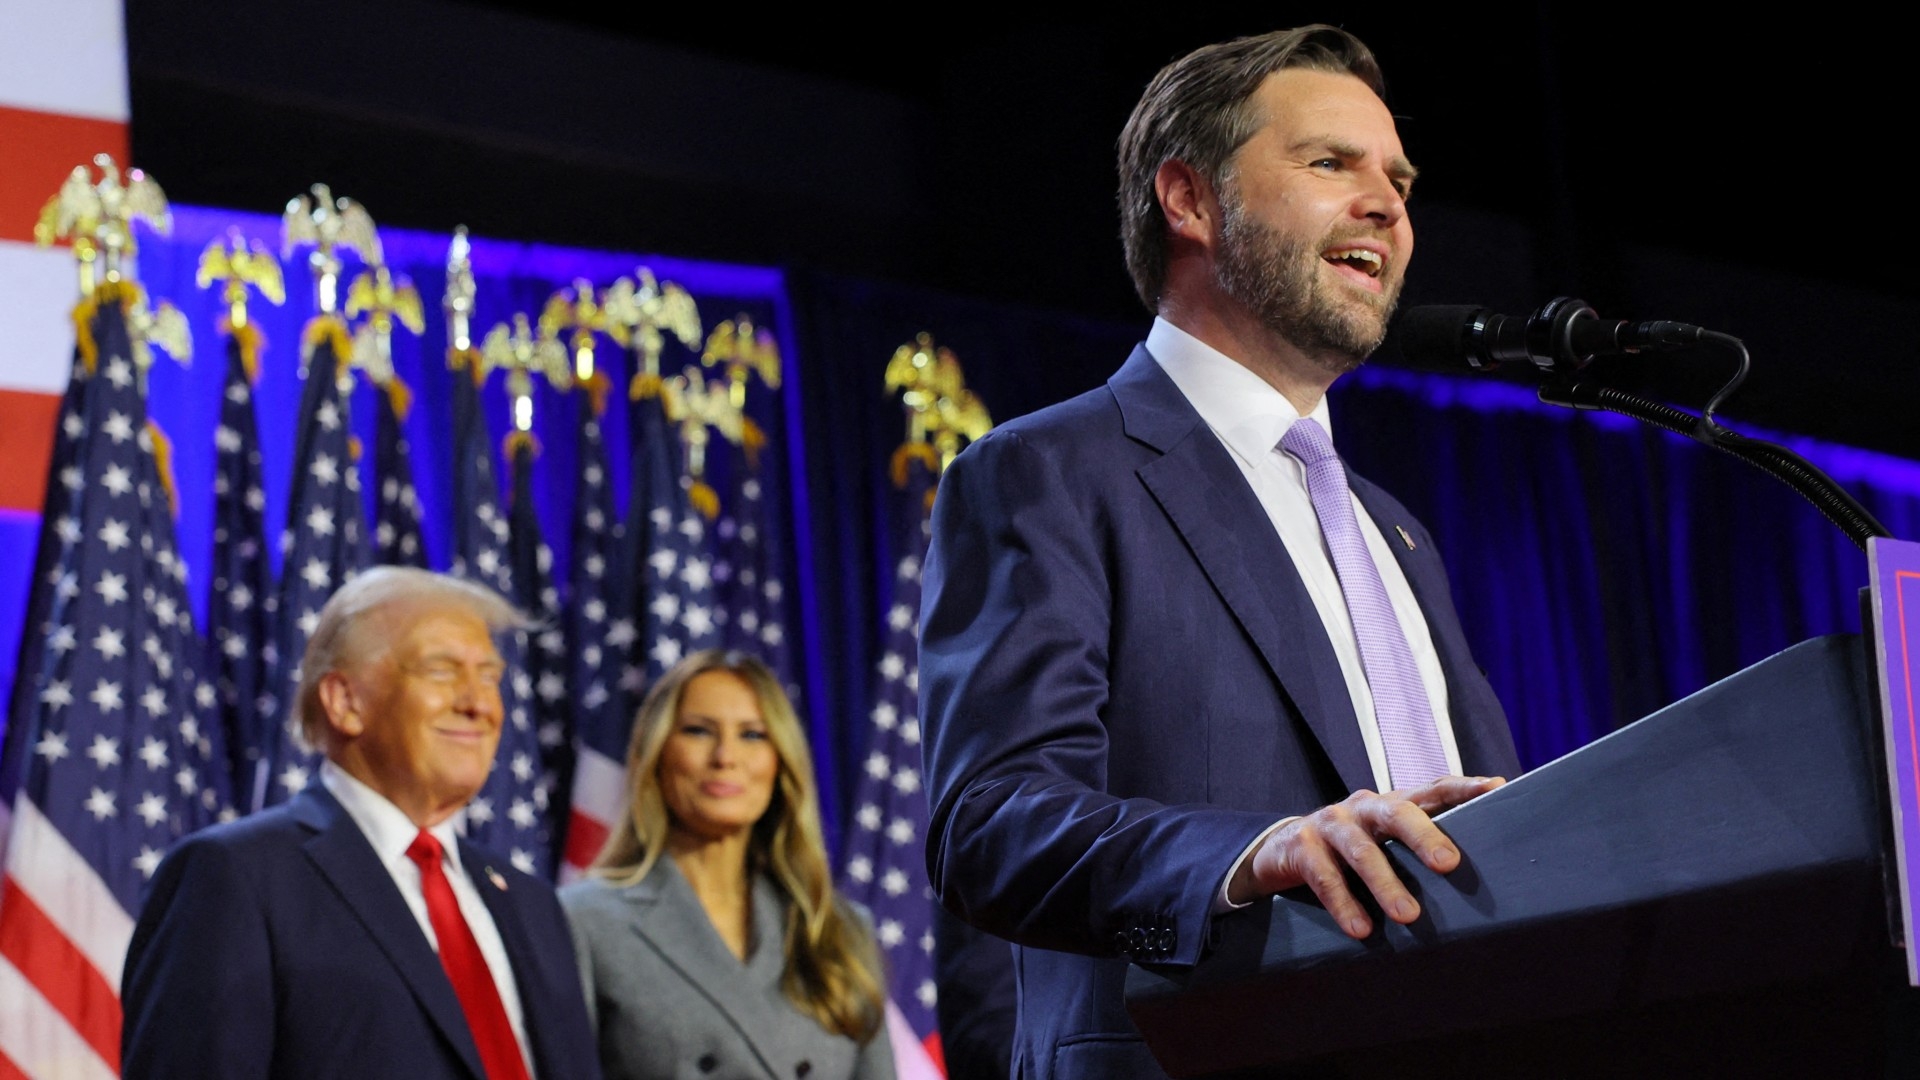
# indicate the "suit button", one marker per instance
pixel 708 1063
pixel 1167 940
pixel 1120 942
pixel 802 1069
pixel 1137 939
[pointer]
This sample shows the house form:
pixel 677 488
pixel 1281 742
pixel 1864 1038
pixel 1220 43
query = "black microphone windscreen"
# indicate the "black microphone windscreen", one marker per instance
pixel 1434 335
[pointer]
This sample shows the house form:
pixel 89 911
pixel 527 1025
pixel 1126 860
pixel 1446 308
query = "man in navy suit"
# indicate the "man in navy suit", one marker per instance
pixel 350 932
pixel 1174 658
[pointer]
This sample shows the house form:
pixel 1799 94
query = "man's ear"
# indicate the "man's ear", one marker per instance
pixel 341 704
pixel 1188 202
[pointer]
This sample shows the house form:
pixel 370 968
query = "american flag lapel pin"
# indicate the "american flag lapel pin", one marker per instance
pixel 498 881
pixel 1405 537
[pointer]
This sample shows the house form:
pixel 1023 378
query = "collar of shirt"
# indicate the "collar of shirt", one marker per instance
pixel 386 826
pixel 1247 413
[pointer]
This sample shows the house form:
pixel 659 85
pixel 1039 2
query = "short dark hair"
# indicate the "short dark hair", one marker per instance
pixel 1197 111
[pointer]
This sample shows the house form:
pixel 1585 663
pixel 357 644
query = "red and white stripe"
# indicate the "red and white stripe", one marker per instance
pixel 599 793
pixel 63 99
pixel 63 935
pixel 63 939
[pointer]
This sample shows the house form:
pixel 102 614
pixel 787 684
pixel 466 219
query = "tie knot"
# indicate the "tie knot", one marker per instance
pixel 424 850
pixel 1308 441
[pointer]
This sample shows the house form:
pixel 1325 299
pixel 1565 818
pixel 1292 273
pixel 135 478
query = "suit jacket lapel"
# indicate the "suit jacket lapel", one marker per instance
pixel 342 855
pixel 1207 498
pixel 671 921
pixel 529 975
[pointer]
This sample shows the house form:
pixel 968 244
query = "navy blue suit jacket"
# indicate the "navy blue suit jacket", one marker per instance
pixel 1123 682
pixel 279 946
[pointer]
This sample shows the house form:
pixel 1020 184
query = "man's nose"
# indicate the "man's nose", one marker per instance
pixel 1380 200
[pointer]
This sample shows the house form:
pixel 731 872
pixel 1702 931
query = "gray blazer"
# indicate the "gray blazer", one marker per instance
pixel 669 999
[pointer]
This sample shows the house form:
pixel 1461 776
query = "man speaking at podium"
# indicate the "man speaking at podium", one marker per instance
pixel 1170 647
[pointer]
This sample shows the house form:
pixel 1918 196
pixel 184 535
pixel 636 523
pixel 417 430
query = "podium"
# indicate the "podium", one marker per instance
pixel 1702 892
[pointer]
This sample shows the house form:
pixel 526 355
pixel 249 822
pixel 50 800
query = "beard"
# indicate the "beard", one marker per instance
pixel 1277 277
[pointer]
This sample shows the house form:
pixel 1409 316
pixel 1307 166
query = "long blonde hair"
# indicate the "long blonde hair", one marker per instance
pixel 832 966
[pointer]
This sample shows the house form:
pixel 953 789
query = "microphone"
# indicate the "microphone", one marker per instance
pixel 1559 338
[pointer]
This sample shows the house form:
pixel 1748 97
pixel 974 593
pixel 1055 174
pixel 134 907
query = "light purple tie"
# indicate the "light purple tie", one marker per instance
pixel 1400 705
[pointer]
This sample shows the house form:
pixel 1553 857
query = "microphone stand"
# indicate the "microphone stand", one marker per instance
pixel 1574 391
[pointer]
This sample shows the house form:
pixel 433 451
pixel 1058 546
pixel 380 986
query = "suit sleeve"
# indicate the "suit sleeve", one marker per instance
pixel 1016 620
pixel 197 993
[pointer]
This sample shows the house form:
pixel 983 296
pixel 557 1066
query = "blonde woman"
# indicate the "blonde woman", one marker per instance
pixel 710 939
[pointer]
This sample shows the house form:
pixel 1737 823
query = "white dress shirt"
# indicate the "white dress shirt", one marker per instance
pixel 391 832
pixel 1250 417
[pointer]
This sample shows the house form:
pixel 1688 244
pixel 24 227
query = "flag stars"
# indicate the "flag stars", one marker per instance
pixel 320 521
pixel 52 746
pixel 910 732
pixel 106 696
pixel 316 574
pixel 893 882
pixel 869 817
pixel 324 470
pixel 154 700
pixel 68 530
pixel 154 753
pixel 522 815
pixel 293 779
pixel 105 752
pixel 120 373
pixel 100 805
pixel 878 766
pixel 152 809
pixel 906 781
pixel 885 716
pixel 927 993
pixel 329 415
pixel 186 780
pixel 892 667
pixel 480 811
pixel 860 869
pixel 109 643
pixel 118 427
pixel 900 617
pixel 891 933
pixel 114 534
pixel 147 861
pixel 111 587
pixel 900 832
pixel 118 480
pixel 62 640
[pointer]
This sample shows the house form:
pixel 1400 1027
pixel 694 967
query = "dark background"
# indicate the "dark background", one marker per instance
pixel 1746 175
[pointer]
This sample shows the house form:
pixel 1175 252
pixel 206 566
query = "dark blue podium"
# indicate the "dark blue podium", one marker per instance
pixel 1699 893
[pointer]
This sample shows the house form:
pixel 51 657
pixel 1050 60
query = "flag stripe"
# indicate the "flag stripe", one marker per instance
pixel 599 787
pixel 42 148
pixel 58 972
pixel 10 1071
pixel 42 865
pixel 37 291
pixel 37 1041
pixel 26 442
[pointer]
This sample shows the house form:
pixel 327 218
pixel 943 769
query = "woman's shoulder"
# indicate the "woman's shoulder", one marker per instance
pixel 595 897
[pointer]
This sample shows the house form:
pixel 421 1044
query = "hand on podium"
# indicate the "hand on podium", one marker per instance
pixel 1318 849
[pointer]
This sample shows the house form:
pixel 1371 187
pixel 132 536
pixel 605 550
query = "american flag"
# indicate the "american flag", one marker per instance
pixel 120 763
pixel 63 480
pixel 238 616
pixel 751 590
pixel 396 507
pixel 534 593
pixel 509 814
pixel 600 642
pixel 322 546
pixel 669 543
pixel 885 867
